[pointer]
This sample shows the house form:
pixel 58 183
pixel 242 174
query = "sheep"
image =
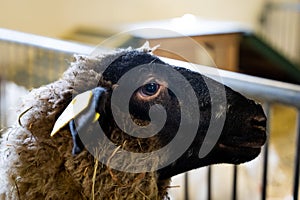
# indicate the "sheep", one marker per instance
pixel 35 165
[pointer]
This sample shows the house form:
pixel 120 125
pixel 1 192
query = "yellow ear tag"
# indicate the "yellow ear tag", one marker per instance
pixel 77 105
pixel 97 116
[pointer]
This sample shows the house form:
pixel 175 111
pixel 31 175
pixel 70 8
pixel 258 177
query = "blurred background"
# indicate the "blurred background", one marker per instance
pixel 257 37
pixel 275 22
pixel 57 18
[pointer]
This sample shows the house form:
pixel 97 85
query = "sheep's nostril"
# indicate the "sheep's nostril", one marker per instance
pixel 259 122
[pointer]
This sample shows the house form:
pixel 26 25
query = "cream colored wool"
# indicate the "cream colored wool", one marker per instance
pixel 34 165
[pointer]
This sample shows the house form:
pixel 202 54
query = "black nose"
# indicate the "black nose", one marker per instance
pixel 259 122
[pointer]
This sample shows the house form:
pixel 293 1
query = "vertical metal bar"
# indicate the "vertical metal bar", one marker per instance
pixel 1 96
pixel 297 160
pixel 266 155
pixel 186 186
pixel 209 173
pixel 30 67
pixel 234 185
pixel 298 28
pixel 4 50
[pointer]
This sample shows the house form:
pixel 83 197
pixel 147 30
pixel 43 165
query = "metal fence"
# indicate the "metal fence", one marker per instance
pixel 31 61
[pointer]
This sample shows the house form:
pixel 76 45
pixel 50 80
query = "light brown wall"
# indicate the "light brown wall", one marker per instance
pixel 55 17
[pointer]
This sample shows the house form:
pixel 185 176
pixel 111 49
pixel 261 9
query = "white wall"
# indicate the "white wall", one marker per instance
pixel 54 18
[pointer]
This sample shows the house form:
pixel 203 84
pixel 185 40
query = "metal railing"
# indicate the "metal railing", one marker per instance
pixel 31 61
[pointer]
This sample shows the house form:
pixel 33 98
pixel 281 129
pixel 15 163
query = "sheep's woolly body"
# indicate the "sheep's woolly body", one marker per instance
pixel 35 166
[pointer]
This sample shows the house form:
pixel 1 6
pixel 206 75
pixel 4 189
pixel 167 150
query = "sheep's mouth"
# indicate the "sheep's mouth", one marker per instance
pixel 243 146
pixel 248 136
pixel 243 150
pixel 260 128
pixel 240 154
pixel 252 143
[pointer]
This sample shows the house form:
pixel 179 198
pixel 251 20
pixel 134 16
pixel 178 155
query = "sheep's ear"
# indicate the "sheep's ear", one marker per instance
pixel 77 106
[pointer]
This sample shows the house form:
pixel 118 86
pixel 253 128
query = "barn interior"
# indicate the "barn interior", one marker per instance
pixel 259 39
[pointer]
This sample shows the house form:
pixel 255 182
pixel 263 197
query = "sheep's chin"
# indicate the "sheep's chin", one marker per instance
pixel 242 153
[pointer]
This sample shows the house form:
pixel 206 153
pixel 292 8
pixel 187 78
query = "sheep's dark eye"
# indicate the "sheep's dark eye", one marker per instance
pixel 149 89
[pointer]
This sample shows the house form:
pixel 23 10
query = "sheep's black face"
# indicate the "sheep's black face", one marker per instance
pixel 242 135
pixel 244 130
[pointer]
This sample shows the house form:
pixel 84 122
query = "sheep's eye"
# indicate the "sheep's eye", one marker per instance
pixel 149 89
